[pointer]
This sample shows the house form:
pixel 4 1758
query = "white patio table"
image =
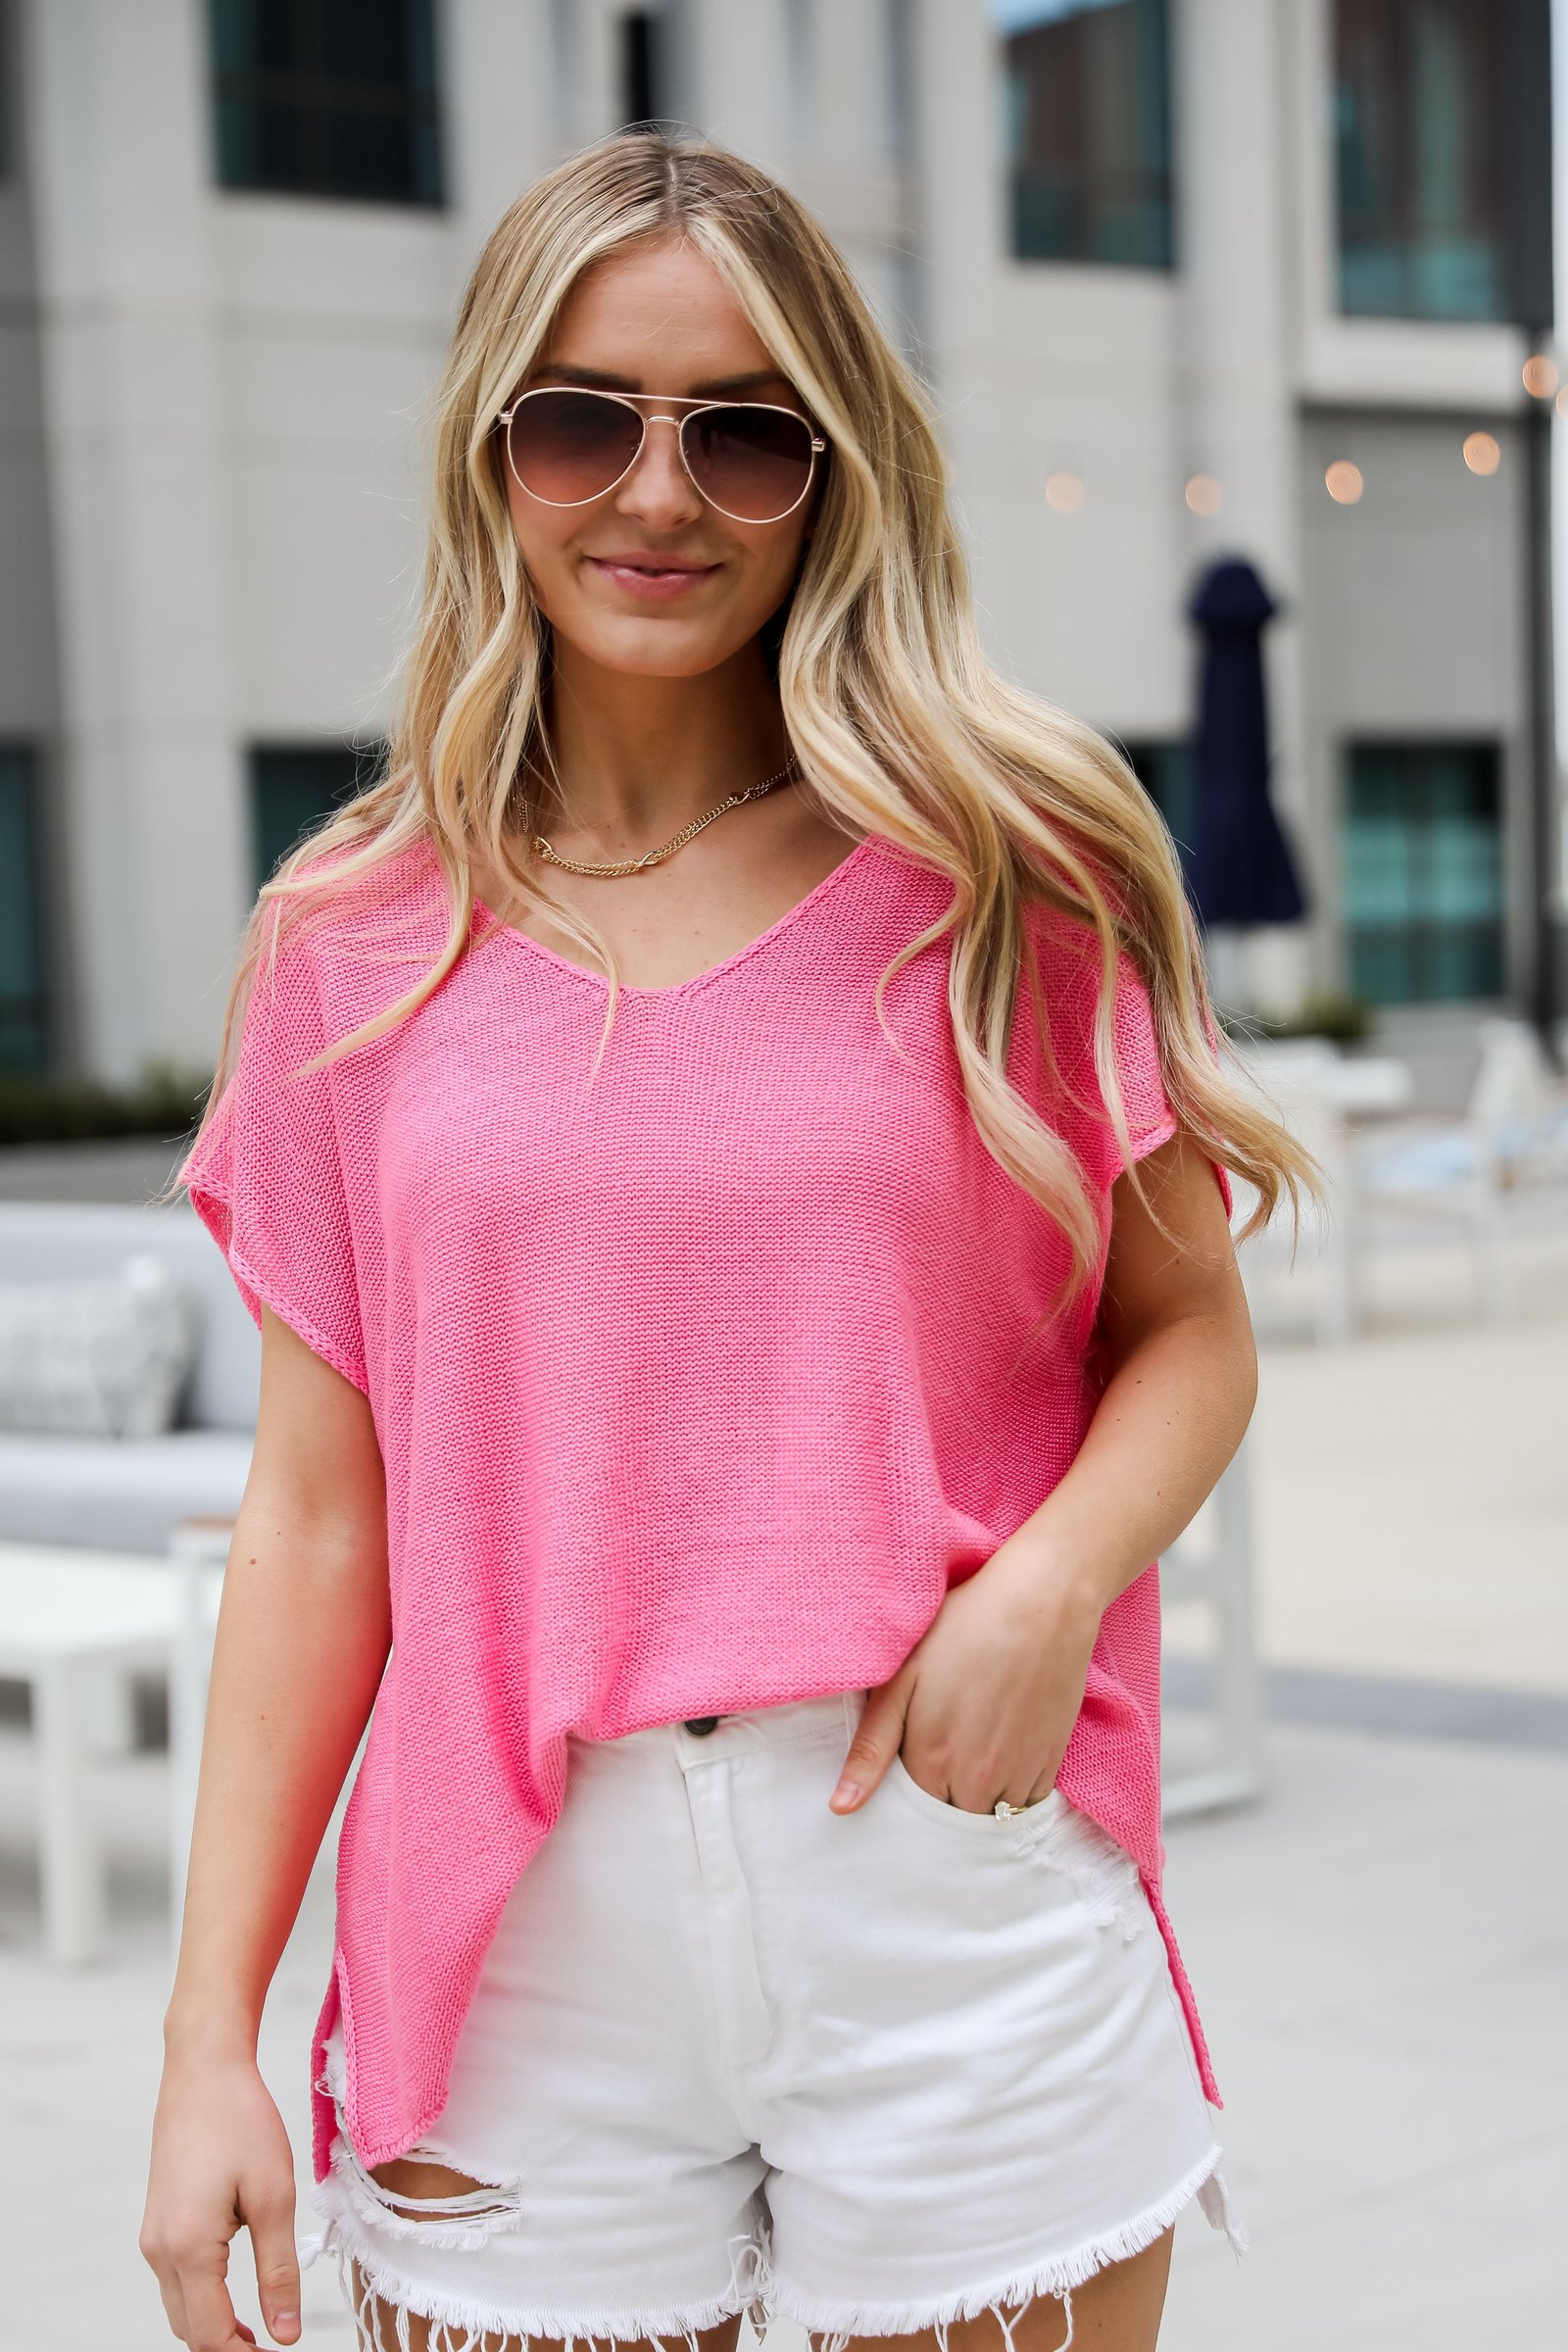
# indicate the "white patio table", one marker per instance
pixel 70 1620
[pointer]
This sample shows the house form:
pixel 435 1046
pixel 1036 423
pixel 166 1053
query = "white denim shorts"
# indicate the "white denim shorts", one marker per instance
pixel 731 2051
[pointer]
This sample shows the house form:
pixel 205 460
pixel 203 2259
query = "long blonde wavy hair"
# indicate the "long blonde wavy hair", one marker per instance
pixel 899 725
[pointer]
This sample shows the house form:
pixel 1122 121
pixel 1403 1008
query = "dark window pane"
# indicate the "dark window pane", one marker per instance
pixel 1417 112
pixel 1086 108
pixel 642 66
pixel 327 97
pixel 24 976
pixel 1423 882
pixel 364 152
pixel 295 788
pixel 1165 772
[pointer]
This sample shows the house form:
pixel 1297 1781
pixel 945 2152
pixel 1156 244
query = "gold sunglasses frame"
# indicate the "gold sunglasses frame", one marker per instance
pixel 696 408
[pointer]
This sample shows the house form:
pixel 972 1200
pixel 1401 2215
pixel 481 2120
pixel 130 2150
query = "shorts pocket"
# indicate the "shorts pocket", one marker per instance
pixel 1004 1828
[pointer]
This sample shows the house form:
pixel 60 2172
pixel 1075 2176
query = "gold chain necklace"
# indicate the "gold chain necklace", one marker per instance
pixel 635 866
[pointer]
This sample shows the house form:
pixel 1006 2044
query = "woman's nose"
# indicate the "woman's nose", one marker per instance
pixel 659 482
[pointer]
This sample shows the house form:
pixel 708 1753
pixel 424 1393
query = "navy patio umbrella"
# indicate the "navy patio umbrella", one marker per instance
pixel 1240 871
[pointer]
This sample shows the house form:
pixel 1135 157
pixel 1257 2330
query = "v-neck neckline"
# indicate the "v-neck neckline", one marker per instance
pixel 597 981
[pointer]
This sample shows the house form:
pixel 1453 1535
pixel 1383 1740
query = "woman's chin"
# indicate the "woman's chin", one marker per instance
pixel 653 645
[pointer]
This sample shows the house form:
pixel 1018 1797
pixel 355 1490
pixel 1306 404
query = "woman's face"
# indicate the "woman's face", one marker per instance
pixel 657 318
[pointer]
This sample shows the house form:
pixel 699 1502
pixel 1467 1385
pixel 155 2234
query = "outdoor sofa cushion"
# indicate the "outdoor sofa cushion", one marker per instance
pixel 47 1241
pixel 100 1356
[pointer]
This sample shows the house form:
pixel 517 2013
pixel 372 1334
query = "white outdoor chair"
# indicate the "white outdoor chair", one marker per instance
pixel 1521 1107
pixel 1466 1176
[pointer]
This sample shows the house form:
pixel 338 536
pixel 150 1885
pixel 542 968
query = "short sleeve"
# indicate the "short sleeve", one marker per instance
pixel 1070 971
pixel 266 1174
pixel 1151 1119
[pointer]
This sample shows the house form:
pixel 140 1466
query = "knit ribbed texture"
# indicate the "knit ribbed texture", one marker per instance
pixel 699 1381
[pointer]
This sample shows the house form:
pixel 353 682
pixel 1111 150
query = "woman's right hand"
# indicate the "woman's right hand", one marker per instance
pixel 220 2160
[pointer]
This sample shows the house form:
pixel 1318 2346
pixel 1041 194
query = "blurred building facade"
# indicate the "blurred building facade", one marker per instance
pixel 1187 278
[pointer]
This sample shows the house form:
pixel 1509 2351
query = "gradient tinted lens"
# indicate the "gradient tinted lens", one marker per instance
pixel 571 446
pixel 752 463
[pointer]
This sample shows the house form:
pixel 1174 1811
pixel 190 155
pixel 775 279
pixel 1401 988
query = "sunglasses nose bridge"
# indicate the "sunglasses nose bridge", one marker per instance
pixel 683 460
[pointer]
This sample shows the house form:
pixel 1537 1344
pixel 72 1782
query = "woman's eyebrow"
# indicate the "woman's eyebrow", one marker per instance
pixel 716 387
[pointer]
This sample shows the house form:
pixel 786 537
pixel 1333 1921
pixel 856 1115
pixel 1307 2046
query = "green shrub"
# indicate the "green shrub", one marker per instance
pixel 1330 1013
pixel 165 1101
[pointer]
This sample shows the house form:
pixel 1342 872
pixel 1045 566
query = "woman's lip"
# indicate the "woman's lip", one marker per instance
pixel 653 584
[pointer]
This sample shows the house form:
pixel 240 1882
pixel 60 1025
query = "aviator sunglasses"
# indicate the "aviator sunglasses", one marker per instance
pixel 566 446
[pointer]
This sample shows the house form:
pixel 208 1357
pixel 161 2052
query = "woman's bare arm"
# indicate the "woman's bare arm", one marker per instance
pixel 985 1703
pixel 1176 1339
pixel 302 1641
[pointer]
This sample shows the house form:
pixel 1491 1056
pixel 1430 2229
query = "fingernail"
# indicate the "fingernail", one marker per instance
pixel 846 1792
pixel 284 2319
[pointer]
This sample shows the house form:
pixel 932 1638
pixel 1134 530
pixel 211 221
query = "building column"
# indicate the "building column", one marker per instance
pixel 958 229
pixel 118 112
pixel 850 145
pixel 1555 883
pixel 1232 139
pixel 508 76
pixel 734 66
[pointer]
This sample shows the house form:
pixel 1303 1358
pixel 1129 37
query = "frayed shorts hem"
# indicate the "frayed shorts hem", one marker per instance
pixel 460 2323
pixel 457 2324
pixel 1056 2275
pixel 766 2294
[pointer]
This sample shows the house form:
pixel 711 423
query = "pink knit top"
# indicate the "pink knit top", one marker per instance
pixel 698 1379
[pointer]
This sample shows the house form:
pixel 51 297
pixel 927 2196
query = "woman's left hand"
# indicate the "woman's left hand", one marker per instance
pixel 984 1704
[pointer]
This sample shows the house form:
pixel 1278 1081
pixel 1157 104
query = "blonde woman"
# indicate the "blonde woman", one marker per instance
pixel 727 1151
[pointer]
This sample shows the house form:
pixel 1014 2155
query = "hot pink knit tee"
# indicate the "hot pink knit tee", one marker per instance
pixel 697 1386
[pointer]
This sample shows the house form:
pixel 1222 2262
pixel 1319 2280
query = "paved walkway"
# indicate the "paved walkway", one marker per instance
pixel 1412 1488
